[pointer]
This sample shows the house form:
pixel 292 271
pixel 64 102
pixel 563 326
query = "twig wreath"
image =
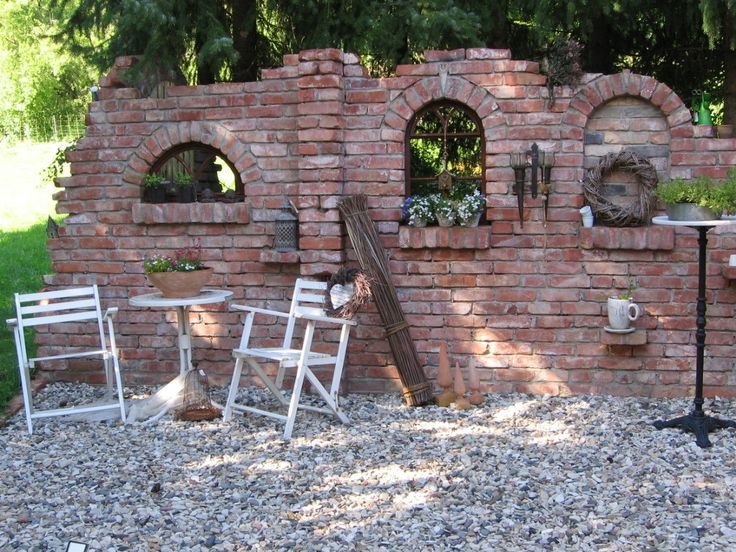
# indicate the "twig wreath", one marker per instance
pixel 351 290
pixel 637 213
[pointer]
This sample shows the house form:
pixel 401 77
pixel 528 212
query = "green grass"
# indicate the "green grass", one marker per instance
pixel 27 203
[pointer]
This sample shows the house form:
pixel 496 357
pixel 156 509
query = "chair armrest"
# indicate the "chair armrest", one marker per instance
pixel 329 319
pixel 12 321
pixel 110 313
pixel 259 311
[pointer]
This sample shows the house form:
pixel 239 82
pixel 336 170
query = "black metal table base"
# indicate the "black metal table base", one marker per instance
pixel 697 423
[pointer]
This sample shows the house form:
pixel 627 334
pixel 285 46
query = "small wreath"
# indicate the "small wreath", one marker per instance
pixel 637 213
pixel 351 290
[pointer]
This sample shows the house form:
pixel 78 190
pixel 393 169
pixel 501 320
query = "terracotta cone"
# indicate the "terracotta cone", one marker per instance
pixel 476 397
pixel 444 378
pixel 461 402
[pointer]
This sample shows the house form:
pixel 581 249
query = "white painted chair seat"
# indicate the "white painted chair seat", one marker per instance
pixel 306 310
pixel 55 309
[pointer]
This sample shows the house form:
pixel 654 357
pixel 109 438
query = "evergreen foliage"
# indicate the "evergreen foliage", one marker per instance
pixel 688 44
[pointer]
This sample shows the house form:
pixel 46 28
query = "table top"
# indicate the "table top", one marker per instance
pixel 205 297
pixel 664 220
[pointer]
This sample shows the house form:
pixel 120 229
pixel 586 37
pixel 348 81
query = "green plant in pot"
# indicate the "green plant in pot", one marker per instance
pixel 700 199
pixel 622 310
pixel 154 189
pixel 184 188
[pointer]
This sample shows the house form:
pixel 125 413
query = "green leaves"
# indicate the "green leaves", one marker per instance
pixel 719 196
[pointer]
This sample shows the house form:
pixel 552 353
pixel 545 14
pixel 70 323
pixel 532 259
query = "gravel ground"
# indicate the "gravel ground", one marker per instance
pixel 518 473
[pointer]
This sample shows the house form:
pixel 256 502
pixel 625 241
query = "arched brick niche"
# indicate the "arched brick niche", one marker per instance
pixel 631 123
pixel 627 123
pixel 177 134
pixel 172 136
pixel 626 111
pixel 606 88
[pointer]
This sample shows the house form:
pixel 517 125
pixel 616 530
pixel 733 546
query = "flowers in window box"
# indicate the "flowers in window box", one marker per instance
pixel 444 210
pixel 418 210
pixel 470 207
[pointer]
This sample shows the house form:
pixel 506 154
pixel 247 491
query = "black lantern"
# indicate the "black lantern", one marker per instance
pixel 287 228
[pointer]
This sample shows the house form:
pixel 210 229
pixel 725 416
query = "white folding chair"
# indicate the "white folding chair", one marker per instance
pixel 307 309
pixel 54 309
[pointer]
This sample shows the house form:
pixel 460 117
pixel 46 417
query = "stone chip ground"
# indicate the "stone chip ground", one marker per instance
pixel 518 473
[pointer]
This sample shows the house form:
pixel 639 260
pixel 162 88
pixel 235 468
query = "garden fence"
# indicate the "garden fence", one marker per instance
pixel 50 127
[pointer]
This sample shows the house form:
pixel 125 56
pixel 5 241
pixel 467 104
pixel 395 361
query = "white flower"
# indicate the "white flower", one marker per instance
pixel 471 205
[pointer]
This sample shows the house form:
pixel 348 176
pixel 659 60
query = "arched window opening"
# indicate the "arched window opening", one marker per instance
pixel 445 151
pixel 212 176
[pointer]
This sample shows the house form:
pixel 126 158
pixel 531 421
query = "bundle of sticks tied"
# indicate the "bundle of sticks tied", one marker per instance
pixel 372 258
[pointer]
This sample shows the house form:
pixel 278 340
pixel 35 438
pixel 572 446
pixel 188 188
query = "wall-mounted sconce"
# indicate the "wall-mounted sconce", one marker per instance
pixel 541 163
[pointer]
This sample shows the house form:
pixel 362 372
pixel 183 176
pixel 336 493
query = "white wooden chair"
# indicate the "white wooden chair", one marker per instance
pixel 307 309
pixel 54 309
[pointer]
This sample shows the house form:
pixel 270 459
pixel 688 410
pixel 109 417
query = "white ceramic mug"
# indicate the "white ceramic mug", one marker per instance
pixel 621 312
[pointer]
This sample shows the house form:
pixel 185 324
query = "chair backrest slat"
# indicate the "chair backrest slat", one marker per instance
pixel 58 318
pixel 308 298
pixel 44 295
pixel 57 307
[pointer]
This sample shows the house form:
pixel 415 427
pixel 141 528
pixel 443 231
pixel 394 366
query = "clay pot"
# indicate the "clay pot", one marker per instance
pixel 180 284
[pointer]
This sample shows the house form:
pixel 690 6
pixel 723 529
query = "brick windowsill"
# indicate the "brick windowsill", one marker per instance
pixel 183 213
pixel 641 238
pixel 455 237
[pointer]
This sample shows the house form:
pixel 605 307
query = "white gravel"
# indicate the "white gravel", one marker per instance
pixel 518 473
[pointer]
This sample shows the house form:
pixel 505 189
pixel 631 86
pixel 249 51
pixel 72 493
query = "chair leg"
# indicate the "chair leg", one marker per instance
pixel 280 376
pixel 234 383
pixel 108 374
pixel 299 381
pixel 119 385
pixel 25 381
pixel 294 403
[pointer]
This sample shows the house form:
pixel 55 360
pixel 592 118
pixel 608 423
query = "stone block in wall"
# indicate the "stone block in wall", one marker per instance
pixel 641 238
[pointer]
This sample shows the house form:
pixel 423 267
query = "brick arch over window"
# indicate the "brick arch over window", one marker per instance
pixel 431 89
pixel 605 88
pixel 210 134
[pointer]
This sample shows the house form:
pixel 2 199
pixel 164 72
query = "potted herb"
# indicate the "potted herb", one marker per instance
pixel 418 210
pixel 700 199
pixel 182 274
pixel 470 208
pixel 184 188
pixel 154 189
pixel 622 310
pixel 444 210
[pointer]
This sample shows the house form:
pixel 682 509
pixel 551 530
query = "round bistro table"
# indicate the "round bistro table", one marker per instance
pixel 182 305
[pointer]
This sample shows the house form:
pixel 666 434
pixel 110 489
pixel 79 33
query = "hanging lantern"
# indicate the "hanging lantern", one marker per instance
pixel 287 228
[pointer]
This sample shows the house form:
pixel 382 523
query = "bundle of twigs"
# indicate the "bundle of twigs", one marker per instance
pixel 636 213
pixel 372 257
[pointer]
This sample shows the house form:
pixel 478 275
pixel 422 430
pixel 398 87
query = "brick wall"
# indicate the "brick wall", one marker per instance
pixel 527 302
